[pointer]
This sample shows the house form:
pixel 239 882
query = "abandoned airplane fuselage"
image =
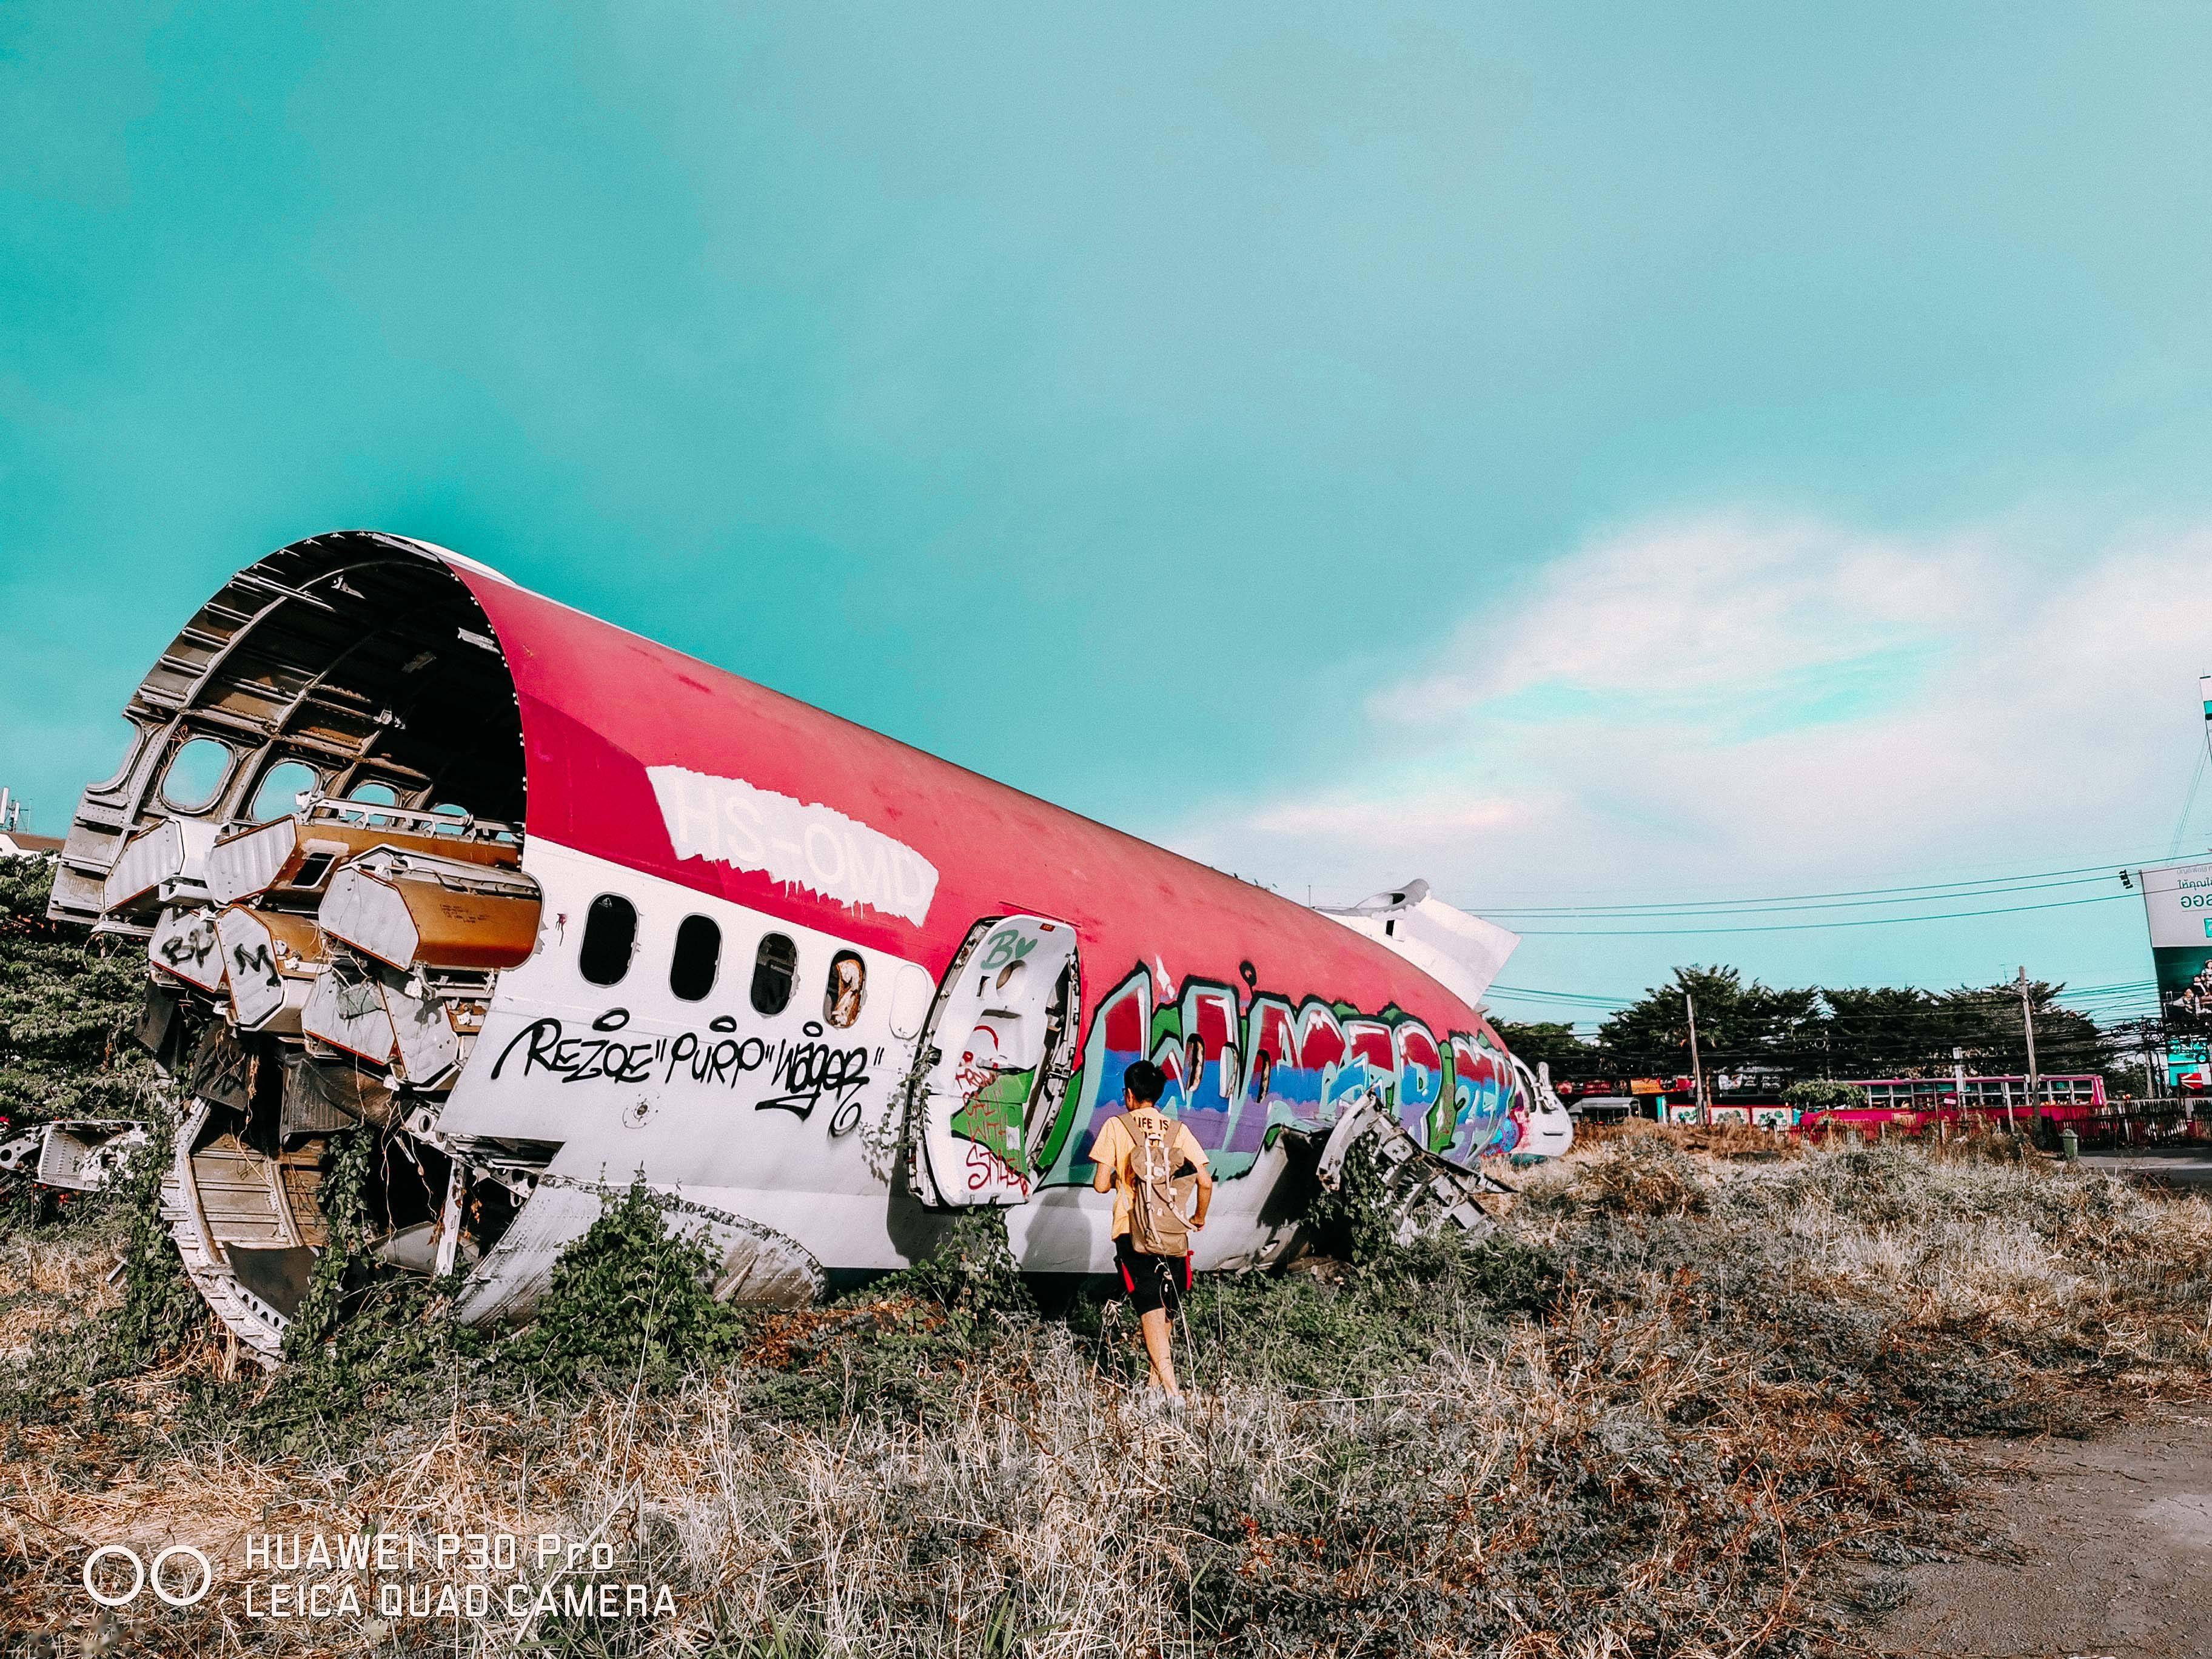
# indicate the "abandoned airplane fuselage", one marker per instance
pixel 552 908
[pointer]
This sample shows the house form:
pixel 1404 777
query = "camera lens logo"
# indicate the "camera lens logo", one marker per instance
pixel 143 1577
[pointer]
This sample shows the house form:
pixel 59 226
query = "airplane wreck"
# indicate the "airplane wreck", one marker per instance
pixel 548 907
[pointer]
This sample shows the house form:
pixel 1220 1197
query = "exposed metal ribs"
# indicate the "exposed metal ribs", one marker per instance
pixel 1424 1193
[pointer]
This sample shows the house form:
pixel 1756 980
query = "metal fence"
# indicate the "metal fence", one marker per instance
pixel 2155 1122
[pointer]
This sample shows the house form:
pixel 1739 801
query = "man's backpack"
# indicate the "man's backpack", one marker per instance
pixel 1158 1198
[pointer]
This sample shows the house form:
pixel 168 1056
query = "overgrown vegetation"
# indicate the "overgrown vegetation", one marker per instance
pixel 1643 1175
pixel 630 1307
pixel 161 1312
pixel 1697 1382
pixel 1666 1411
pixel 67 1008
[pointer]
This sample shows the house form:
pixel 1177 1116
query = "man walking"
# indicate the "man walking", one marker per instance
pixel 1141 1157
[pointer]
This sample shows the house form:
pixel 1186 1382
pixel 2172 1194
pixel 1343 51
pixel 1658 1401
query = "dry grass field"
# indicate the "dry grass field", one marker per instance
pixel 1701 1398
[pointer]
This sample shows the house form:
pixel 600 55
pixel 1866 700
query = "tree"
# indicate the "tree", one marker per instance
pixel 1870 1032
pixel 1822 1095
pixel 1884 1030
pixel 1741 1025
pixel 1996 1039
pixel 1553 1043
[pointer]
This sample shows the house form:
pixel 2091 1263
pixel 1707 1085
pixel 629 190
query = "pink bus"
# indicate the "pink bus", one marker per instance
pixel 1912 1103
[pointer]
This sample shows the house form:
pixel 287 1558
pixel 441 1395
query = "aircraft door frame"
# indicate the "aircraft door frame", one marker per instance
pixel 980 1107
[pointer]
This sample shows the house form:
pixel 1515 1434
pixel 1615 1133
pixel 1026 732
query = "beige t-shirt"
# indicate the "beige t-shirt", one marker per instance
pixel 1114 1146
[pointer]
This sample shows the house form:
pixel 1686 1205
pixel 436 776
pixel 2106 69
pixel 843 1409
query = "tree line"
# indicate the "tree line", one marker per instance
pixel 1786 1034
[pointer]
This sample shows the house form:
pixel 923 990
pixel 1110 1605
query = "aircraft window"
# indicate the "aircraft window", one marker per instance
pixel 371 793
pixel 610 933
pixel 195 775
pixel 280 786
pixel 847 990
pixel 774 964
pixel 446 809
pixel 698 953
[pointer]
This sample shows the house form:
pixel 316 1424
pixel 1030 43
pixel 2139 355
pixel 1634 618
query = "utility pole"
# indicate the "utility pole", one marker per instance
pixel 1959 1081
pixel 2027 1026
pixel 1697 1071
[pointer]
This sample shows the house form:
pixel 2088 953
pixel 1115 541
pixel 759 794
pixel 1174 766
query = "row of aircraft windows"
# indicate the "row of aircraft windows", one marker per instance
pixel 197 771
pixel 610 940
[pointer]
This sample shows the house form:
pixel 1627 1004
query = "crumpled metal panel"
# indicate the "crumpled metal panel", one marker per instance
pixel 321 1097
pixel 408 911
pixel 185 943
pixel 84 1155
pixel 174 851
pixel 222 1071
pixel 346 1010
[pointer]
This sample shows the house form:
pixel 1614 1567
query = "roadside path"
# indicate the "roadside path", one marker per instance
pixel 2188 1165
pixel 2102 1547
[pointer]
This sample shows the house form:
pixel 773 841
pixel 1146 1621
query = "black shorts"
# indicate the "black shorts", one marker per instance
pixel 1152 1281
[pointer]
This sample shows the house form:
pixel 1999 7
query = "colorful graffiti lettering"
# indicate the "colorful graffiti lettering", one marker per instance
pixel 992 1117
pixel 1239 1075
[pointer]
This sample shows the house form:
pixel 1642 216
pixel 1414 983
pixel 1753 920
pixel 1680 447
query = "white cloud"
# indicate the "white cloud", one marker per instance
pixel 1413 822
pixel 1739 705
pixel 1695 610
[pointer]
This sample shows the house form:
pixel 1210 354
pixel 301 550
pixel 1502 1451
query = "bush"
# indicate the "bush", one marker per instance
pixel 629 1305
pixel 1355 1222
pixel 161 1309
pixel 1644 1175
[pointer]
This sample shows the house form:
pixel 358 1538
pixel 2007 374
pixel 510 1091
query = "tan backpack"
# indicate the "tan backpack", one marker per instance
pixel 1158 1198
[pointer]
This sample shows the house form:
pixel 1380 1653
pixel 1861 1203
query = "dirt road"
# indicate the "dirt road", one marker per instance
pixel 2101 1548
pixel 2186 1167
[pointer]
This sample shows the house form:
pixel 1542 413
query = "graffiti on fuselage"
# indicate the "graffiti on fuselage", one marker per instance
pixel 1242 1069
pixel 806 1072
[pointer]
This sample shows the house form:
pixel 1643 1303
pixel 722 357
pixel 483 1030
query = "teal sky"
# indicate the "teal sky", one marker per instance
pixel 1150 406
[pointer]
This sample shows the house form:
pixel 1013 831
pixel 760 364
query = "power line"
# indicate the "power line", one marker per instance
pixel 1809 927
pixel 2107 869
pixel 2189 801
pixel 1562 996
pixel 2126 989
pixel 1737 907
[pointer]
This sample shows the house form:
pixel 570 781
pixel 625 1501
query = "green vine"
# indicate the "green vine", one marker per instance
pixel 1357 1221
pixel 161 1311
pixel 342 1198
pixel 366 1338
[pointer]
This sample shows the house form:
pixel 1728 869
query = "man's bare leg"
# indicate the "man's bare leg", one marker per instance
pixel 1158 1349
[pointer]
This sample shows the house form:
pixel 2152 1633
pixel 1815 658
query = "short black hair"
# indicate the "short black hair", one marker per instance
pixel 1144 1082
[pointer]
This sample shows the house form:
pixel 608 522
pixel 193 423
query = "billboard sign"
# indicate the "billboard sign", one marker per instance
pixel 2178 904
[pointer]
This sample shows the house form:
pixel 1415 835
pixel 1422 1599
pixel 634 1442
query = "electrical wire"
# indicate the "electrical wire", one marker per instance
pixel 1741 907
pixel 2107 869
pixel 2189 801
pixel 1808 926
pixel 2136 993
